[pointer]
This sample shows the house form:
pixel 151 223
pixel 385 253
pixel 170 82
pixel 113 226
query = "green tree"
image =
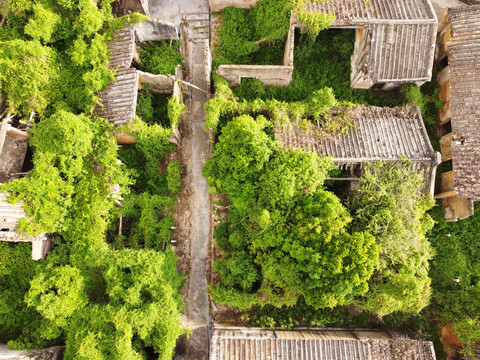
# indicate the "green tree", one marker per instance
pixel 114 307
pixel 21 63
pixel 16 270
pixel 285 233
pixel 75 171
pixel 391 205
pixel 242 151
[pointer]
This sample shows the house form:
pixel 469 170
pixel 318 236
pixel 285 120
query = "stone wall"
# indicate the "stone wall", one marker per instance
pixel 276 75
pixel 218 5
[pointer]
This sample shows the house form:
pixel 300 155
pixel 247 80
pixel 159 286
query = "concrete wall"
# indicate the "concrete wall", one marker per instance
pixel 276 75
pixel 288 56
pixel 218 5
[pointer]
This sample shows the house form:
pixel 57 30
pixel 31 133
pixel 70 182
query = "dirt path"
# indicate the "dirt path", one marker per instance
pixel 197 150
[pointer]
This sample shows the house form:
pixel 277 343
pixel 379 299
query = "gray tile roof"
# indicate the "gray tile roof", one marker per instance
pixel 338 344
pixel 464 63
pixel 122 47
pixel 357 12
pixel 401 36
pixel 119 99
pixel 10 214
pixel 376 134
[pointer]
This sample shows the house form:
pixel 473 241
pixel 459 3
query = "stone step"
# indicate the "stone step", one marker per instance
pixel 198 23
pixel 193 17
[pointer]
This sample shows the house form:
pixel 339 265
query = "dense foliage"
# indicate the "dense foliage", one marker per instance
pixel 16 270
pixel 271 227
pixel 390 205
pixel 159 57
pixel 257 35
pixel 75 172
pixel 121 303
pixel 286 237
pixel 455 272
pixel 60 49
pixel 103 301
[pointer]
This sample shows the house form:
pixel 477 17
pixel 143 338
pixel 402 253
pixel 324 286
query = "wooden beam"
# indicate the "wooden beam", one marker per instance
pixel 446 194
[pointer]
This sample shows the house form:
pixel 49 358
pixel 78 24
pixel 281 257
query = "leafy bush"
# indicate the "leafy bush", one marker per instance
pixel 159 57
pixel 242 31
pixel 173 177
pixel 16 270
pixel 456 257
pixel 175 109
pixel 319 64
pixel 75 168
pixel 70 37
pixel 121 296
pixel 26 62
pixel 257 35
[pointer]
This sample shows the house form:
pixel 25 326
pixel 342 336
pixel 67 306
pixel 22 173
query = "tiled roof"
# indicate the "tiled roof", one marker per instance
pixel 9 216
pixel 401 35
pixel 119 99
pixel 338 344
pixel 358 12
pixel 376 134
pixel 122 47
pixel 464 63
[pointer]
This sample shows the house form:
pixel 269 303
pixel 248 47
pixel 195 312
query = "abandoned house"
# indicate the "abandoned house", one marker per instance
pixel 316 344
pixel 394 40
pixel 375 134
pixel 118 102
pixel 13 148
pixel 394 44
pixel 458 62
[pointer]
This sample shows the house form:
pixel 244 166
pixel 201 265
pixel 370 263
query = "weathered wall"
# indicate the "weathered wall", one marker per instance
pixel 290 44
pixel 276 75
pixel 358 77
pixel 161 83
pixel 218 5
pixel 443 77
pixel 13 148
pixel 155 30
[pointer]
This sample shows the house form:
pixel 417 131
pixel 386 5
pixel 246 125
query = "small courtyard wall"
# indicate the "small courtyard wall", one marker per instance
pixel 276 75
pixel 218 5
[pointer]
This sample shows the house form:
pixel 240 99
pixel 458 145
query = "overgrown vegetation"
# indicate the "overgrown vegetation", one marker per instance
pixel 257 35
pixel 60 50
pixel 282 222
pixel 159 57
pixel 103 301
pixel 455 276
pixel 390 204
pixel 285 237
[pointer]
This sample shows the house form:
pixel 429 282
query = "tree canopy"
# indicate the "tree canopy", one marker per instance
pixel 285 234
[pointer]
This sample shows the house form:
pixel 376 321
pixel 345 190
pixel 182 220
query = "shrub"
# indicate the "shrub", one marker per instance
pixel 159 57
